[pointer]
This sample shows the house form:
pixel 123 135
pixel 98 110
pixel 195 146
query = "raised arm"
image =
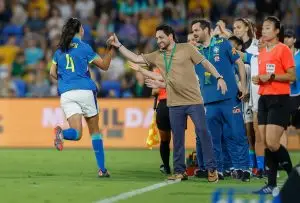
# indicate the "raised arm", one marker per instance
pixel 104 63
pixel 114 41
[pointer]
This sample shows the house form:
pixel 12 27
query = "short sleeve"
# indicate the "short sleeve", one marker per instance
pixel 195 55
pixel 90 54
pixel 229 50
pixel 54 59
pixel 287 58
pixel 150 58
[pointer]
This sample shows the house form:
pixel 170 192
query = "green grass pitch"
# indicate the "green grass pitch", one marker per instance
pixel 49 176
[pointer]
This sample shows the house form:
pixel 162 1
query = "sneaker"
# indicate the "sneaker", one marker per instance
pixel 265 190
pixel 178 176
pixel 200 173
pixel 59 139
pixel 165 170
pixel 246 176
pixel 102 174
pixel 213 176
pixel 237 174
pixel 220 176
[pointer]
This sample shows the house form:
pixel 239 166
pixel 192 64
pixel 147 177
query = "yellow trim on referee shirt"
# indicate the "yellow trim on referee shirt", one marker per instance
pixel 54 62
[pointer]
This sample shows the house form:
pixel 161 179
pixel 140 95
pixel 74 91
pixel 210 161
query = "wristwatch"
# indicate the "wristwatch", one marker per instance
pixel 220 77
pixel 272 77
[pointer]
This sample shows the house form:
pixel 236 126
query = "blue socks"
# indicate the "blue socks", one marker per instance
pixel 99 150
pixel 260 162
pixel 71 134
pixel 252 158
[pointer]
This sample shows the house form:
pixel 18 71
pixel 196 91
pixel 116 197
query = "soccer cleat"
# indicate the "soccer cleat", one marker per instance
pixel 178 176
pixel 165 170
pixel 59 140
pixel 102 174
pixel 265 190
pixel 246 176
pixel 200 173
pixel 213 176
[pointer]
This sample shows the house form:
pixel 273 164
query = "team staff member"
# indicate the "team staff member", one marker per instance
pixel 223 112
pixel 276 71
pixel 176 62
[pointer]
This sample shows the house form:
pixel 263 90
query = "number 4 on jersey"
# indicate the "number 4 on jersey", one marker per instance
pixel 70 63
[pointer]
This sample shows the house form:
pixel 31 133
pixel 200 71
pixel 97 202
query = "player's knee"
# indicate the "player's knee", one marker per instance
pixel 272 145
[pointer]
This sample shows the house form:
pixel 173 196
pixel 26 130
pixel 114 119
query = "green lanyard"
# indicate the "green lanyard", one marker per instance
pixel 168 65
pixel 202 52
pixel 210 45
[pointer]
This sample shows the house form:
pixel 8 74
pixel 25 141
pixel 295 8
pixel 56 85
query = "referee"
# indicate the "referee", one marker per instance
pixel 276 71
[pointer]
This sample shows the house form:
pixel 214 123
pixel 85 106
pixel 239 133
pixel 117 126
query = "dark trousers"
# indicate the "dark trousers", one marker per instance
pixel 178 116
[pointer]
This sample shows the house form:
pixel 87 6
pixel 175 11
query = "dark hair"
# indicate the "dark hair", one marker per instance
pixel 167 30
pixel 204 23
pixel 248 24
pixel 289 33
pixel 70 29
pixel 236 39
pixel 277 25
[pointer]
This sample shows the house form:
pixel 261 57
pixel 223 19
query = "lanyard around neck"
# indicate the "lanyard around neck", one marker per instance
pixel 209 50
pixel 168 64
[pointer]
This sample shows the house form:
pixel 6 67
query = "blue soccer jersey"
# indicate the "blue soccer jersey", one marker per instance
pixel 295 86
pixel 72 67
pixel 220 54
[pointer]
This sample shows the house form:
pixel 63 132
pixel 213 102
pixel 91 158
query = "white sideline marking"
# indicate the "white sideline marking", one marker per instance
pixel 127 195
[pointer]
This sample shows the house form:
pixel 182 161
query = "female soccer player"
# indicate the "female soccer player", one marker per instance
pixel 244 30
pixel 276 71
pixel 77 90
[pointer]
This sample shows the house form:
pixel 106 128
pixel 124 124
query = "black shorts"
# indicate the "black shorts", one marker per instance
pixel 295 112
pixel 274 109
pixel 162 116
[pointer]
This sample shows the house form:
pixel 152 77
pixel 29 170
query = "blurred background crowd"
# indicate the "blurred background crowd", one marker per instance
pixel 30 31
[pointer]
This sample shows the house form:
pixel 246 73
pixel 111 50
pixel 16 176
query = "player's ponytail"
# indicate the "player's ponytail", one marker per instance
pixel 70 29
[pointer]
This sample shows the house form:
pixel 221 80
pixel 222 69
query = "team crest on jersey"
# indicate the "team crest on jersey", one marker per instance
pixel 217 58
pixel 216 50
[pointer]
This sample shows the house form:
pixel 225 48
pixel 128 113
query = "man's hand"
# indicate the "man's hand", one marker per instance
pixel 222 85
pixel 113 41
pixel 154 84
pixel 255 80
